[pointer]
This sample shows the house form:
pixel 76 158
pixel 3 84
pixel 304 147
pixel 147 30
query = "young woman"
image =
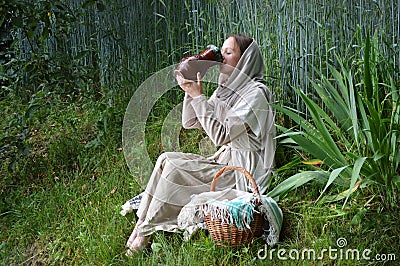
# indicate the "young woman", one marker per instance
pixel 237 117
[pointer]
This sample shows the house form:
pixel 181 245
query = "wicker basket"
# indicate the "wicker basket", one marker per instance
pixel 224 234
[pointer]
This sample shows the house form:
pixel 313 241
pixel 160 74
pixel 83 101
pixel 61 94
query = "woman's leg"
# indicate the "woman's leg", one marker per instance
pixel 175 178
pixel 136 242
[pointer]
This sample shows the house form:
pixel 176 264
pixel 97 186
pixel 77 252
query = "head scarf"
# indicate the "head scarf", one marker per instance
pixel 249 69
pixel 242 85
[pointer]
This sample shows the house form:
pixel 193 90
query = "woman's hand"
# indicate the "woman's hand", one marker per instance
pixel 192 88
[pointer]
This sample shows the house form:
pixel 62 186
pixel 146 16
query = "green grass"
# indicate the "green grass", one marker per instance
pixel 61 206
pixel 78 222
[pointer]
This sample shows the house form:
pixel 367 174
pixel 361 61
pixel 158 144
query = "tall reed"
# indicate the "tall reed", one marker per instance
pixel 129 40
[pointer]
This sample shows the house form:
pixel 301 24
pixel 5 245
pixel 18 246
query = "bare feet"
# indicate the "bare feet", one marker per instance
pixel 140 243
pixel 134 234
pixel 137 243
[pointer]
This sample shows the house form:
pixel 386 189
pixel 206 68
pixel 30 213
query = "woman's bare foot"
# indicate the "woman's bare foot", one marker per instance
pixel 134 234
pixel 140 243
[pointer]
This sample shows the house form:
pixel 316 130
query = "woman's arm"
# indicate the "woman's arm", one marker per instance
pixel 189 119
pixel 221 125
pixel 192 90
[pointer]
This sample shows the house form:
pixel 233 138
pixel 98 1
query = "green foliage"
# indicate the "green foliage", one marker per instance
pixel 294 182
pixel 30 63
pixel 36 73
pixel 14 142
pixel 357 138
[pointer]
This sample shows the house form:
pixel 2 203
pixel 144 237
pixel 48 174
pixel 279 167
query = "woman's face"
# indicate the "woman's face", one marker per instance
pixel 230 54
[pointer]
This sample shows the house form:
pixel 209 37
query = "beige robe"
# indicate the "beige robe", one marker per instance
pixel 238 118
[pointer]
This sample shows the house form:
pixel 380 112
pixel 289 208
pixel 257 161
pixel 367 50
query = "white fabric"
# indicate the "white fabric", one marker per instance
pixel 238 114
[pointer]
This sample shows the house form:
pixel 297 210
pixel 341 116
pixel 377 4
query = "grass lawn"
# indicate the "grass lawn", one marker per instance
pixel 61 205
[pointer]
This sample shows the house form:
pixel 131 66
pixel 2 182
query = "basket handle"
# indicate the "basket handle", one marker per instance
pixel 244 171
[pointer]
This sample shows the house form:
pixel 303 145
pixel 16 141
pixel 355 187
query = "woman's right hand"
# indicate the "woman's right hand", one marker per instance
pixel 192 88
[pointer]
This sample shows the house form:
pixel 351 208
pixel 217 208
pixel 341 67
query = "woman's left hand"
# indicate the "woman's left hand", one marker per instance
pixel 192 88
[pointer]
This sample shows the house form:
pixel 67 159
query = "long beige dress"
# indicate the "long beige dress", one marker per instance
pixel 238 118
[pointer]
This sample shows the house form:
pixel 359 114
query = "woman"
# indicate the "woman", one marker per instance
pixel 237 117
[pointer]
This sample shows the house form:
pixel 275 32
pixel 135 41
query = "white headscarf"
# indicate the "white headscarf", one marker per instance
pixel 248 76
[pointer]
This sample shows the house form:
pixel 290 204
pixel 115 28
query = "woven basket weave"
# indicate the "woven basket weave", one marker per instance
pixel 224 234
